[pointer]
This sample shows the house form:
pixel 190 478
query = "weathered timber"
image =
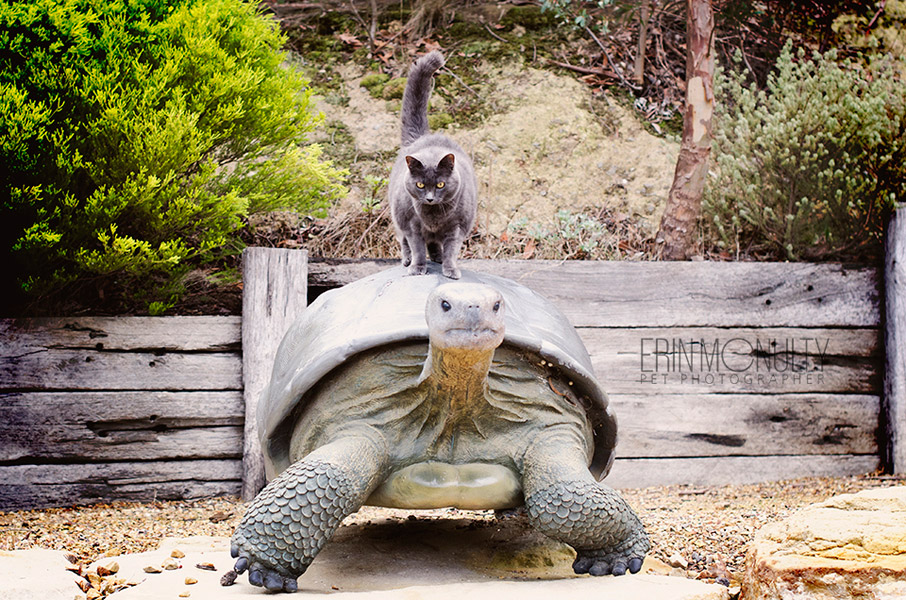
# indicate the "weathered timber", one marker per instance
pixel 894 408
pixel 274 293
pixel 699 294
pixel 159 334
pixel 734 470
pixel 37 486
pixel 87 369
pixel 767 360
pixel 98 426
pixel 661 426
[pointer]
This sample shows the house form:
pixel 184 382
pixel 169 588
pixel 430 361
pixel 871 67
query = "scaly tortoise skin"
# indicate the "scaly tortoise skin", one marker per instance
pixel 414 392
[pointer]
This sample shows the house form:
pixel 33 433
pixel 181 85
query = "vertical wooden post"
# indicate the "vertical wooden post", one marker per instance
pixel 894 402
pixel 275 291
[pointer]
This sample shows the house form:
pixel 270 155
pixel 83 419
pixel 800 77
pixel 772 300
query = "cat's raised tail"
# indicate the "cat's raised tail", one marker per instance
pixel 415 98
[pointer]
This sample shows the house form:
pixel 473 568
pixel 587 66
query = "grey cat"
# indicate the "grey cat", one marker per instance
pixel 433 191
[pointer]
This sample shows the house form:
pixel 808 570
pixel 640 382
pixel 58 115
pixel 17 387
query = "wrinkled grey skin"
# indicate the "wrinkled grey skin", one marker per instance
pixel 381 418
pixel 433 191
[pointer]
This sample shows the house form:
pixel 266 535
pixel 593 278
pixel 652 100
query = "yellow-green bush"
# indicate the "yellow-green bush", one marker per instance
pixel 137 135
pixel 809 167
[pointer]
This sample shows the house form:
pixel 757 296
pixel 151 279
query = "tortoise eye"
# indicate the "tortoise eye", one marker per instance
pixel 440 184
pixel 419 185
pixel 445 305
pixel 497 306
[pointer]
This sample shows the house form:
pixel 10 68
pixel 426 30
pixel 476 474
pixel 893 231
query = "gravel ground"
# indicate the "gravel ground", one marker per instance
pixel 705 528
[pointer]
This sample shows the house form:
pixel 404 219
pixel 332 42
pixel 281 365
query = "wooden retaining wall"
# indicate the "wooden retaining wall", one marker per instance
pixel 718 372
pixel 126 408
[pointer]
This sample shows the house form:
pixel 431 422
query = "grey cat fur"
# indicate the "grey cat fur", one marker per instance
pixel 436 217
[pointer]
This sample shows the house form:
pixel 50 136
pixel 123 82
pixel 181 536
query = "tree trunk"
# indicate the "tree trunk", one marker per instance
pixel 644 14
pixel 677 229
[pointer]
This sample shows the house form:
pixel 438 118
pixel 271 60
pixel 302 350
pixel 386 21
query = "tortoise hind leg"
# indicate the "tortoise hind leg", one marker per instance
pixel 564 502
pixel 291 519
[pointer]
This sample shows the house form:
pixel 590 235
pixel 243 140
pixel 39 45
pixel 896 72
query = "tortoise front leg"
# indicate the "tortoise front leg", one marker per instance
pixel 564 502
pixel 291 519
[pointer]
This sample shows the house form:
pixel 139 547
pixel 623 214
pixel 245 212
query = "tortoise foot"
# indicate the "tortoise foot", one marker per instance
pixel 599 563
pixel 260 575
pixel 286 525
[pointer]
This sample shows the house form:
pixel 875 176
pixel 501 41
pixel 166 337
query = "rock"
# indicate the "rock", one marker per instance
pixel 177 553
pixel 170 564
pixel 191 581
pixel 206 566
pixel 108 569
pixel 152 569
pixel 850 546
pixel 676 560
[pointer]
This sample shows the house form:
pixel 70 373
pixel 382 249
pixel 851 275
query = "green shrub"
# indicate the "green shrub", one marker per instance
pixel 136 137
pixel 811 166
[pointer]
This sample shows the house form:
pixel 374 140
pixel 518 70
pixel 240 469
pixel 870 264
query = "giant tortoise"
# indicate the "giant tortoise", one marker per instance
pixel 417 392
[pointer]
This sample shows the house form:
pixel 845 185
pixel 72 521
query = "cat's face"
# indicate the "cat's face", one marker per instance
pixel 431 184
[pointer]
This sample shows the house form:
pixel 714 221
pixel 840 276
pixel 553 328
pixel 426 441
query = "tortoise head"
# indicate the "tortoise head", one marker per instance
pixel 467 316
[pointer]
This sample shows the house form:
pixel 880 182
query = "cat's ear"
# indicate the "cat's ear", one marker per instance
pixel 446 163
pixel 415 165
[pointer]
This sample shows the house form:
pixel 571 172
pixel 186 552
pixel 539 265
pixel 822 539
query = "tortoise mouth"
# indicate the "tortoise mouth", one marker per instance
pixel 472 338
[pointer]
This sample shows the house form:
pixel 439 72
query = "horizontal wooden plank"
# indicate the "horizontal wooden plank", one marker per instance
pixel 80 426
pixel 658 426
pixel 667 294
pixel 54 369
pixel 41 486
pixel 733 470
pixel 712 360
pixel 178 334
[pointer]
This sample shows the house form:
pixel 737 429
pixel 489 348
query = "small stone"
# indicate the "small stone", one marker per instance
pixel 206 566
pixel 229 578
pixel 178 554
pixel 152 569
pixel 93 594
pixel 108 587
pixel 185 594
pixel 170 564
pixel 191 581
pixel 83 585
pixel 677 560
pixel 94 578
pixel 109 569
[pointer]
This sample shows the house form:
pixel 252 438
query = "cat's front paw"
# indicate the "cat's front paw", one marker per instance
pixel 418 269
pixel 452 272
pixel 406 261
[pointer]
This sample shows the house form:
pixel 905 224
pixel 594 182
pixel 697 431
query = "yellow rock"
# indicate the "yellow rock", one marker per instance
pixel 850 546
pixel 191 581
pixel 178 554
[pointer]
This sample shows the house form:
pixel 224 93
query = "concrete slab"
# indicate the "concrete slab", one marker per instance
pixel 412 560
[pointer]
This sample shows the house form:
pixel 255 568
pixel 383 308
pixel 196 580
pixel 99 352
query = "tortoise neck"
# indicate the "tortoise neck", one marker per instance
pixel 458 370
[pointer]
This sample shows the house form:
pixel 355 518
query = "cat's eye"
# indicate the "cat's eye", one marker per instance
pixel 440 184
pixel 445 305
pixel 497 306
pixel 419 184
